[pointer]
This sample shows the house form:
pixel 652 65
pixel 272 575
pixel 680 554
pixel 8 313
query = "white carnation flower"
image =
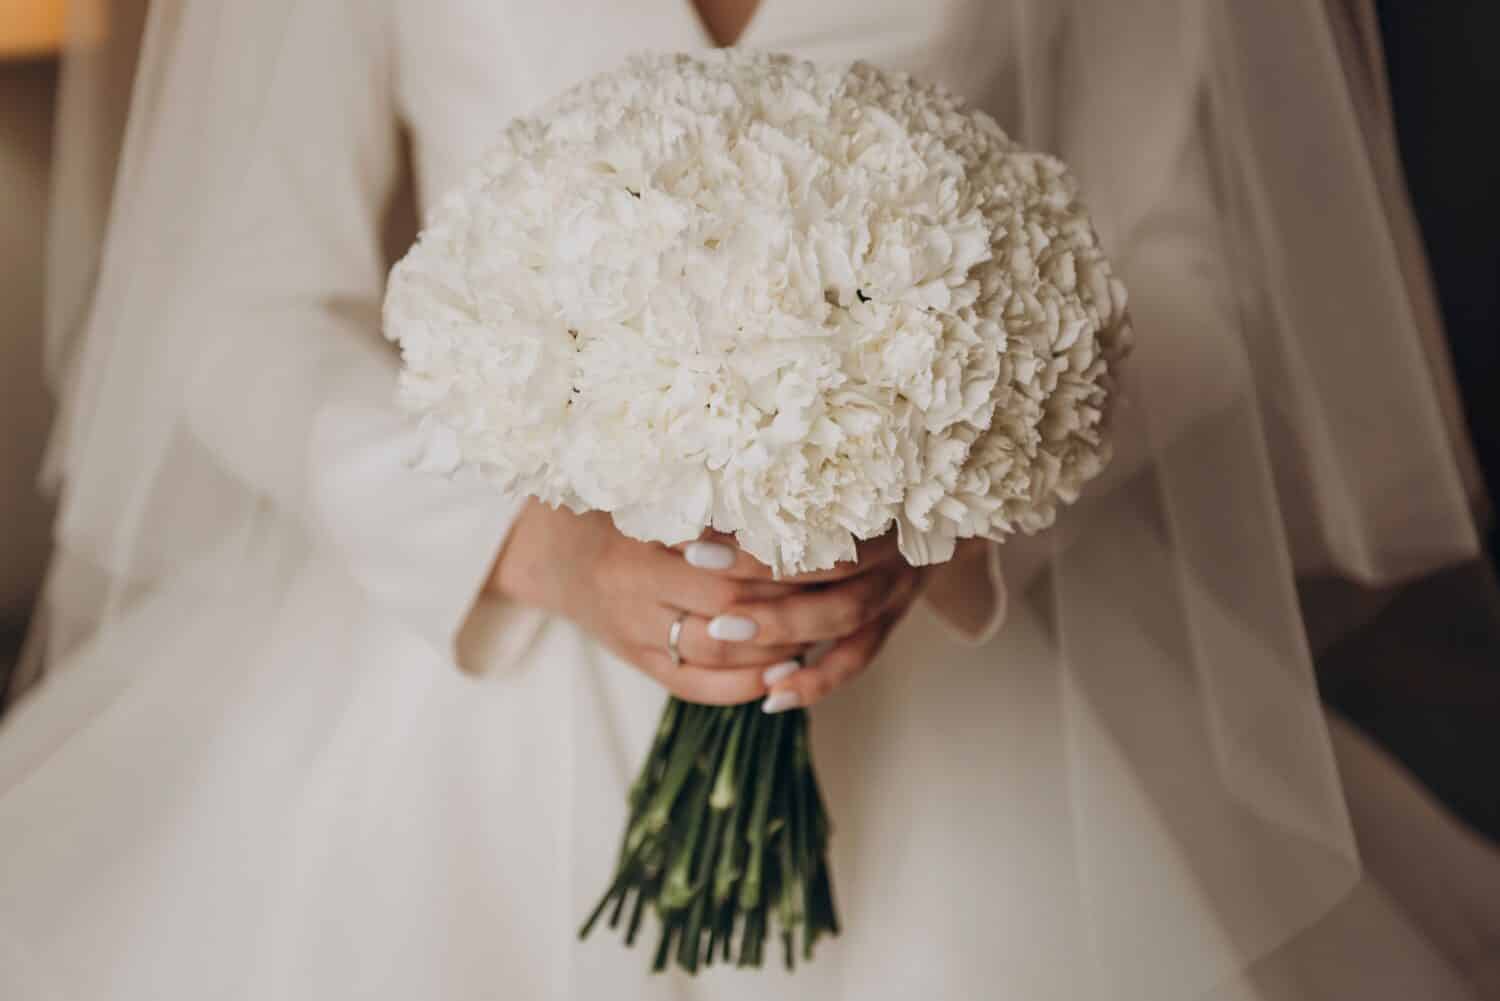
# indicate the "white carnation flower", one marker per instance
pixel 793 302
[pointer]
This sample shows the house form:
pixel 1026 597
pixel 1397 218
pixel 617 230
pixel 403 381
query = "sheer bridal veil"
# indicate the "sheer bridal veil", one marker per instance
pixel 1282 416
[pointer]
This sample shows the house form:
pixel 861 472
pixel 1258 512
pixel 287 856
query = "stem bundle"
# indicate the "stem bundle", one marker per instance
pixel 727 831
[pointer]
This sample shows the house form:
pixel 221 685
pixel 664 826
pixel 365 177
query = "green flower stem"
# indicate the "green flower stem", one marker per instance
pixel 727 836
pixel 636 913
pixel 770 748
pixel 679 891
pixel 728 870
pixel 684 759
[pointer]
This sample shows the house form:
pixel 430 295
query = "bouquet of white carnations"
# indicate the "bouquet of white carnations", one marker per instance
pixel 801 304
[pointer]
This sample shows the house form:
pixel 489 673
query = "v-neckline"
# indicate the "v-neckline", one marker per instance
pixel 707 35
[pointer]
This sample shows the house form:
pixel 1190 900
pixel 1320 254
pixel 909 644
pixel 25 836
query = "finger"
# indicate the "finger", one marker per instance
pixel 843 663
pixel 826 612
pixel 698 646
pixel 664 576
pixel 706 685
pixel 720 554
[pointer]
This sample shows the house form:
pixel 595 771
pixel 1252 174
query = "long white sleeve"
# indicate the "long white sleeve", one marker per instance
pixel 293 391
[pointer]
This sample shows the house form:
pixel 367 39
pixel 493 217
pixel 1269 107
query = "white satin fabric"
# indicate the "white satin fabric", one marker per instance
pixel 254 772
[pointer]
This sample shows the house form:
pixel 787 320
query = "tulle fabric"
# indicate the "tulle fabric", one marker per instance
pixel 1371 469
pixel 254 771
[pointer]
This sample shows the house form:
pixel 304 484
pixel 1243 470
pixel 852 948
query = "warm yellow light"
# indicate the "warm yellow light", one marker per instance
pixel 37 27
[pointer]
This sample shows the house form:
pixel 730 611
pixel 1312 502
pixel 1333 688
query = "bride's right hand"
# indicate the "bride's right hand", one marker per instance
pixel 628 593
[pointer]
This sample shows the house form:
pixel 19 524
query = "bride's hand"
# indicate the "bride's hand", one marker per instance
pixel 628 593
pixel 851 609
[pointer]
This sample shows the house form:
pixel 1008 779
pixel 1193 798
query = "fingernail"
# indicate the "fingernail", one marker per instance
pixel 778 672
pixel 709 555
pixel 732 628
pixel 778 702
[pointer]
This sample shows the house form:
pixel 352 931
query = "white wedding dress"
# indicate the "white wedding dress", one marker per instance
pixel 281 786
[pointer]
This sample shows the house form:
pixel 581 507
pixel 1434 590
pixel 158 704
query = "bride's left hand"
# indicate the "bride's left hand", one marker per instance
pixel 853 606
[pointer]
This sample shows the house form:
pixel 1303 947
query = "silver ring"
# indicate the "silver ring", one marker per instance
pixel 674 637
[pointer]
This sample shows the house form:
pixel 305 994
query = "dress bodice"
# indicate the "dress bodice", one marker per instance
pixel 467 71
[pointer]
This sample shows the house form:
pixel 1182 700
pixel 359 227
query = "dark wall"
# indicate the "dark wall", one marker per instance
pixel 1445 80
pixel 1424 677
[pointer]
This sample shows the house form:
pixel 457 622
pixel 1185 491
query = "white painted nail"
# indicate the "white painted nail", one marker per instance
pixel 780 672
pixel 732 628
pixel 709 555
pixel 778 702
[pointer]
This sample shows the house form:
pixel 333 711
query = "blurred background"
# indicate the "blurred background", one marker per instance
pixel 1422 672
pixel 31 35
